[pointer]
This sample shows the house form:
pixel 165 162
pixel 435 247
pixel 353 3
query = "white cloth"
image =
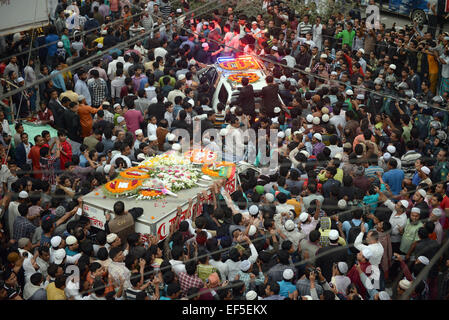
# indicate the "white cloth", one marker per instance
pixel 178 266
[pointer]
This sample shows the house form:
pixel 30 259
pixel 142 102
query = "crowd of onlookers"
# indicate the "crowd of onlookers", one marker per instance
pixel 356 209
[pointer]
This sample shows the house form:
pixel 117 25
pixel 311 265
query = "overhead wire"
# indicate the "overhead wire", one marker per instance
pixel 120 45
pixel 77 32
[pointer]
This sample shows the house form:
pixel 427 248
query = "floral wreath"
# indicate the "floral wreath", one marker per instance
pixel 239 64
pixel 237 77
pixel 220 169
pixel 150 194
pixel 201 156
pixel 135 173
pixel 118 187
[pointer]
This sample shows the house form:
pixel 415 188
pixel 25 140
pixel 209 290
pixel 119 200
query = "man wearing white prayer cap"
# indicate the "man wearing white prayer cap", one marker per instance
pixel 410 231
pixel 435 217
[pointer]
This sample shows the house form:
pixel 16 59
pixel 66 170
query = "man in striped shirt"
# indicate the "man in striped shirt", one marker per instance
pixel 137 285
pixel 304 27
pixel 165 8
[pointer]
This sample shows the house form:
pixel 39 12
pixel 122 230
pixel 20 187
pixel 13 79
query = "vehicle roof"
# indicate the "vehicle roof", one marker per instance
pixel 258 70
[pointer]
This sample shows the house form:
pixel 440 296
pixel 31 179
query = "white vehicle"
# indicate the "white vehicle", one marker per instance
pixel 21 15
pixel 231 69
pixel 159 214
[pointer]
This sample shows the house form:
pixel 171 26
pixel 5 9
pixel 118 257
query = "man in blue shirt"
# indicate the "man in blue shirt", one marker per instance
pixel 330 182
pixel 173 292
pixel 51 41
pixel 394 177
pixel 356 221
pixel 58 79
pixel 286 287
pixel 189 42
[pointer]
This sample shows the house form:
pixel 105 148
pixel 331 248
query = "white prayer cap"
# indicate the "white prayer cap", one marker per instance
pixel 424 260
pixel 342 267
pixel 289 225
pixel 391 149
pixel 367 253
pixel 437 212
pixel 342 204
pixel 416 210
pixel 333 235
pixel 288 274
pixel 404 203
pixel 253 210
pixel 252 230
pixel 303 217
pixel 245 265
pixel 404 284
pixel 251 295
pixel 309 118
pixel 422 192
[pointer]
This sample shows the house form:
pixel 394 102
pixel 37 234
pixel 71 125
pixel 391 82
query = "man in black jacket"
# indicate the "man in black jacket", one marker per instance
pixel 303 58
pixel 270 97
pixel 57 108
pixel 72 122
pixel 246 99
pixel 208 123
pixel 157 109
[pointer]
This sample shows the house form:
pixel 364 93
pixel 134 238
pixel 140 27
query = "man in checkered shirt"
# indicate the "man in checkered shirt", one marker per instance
pixel 189 279
pixel 98 88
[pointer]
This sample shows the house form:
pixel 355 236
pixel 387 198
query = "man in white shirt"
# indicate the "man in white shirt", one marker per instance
pixel 117 268
pixel 317 31
pixel 178 260
pixel 444 60
pixel 435 216
pixel 125 152
pixel 338 119
pixel 372 238
pixel 161 51
pixel 398 220
pixel 112 66
pixel 234 144
pixel 29 263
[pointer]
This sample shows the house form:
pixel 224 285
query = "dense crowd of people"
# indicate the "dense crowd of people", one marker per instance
pixel 357 208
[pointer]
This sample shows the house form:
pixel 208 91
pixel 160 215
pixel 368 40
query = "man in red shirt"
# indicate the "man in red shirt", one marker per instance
pixel 440 188
pixel 35 156
pixel 65 149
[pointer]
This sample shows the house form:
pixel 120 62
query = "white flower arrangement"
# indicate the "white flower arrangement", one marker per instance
pixel 166 159
pixel 176 178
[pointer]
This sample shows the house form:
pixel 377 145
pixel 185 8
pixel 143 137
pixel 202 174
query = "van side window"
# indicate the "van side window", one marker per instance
pixel 211 75
pixel 223 94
